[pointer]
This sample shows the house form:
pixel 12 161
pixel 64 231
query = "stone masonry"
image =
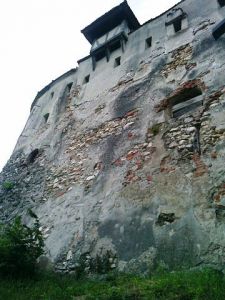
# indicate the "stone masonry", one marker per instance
pixel 122 159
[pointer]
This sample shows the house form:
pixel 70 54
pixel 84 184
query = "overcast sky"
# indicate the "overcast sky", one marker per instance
pixel 40 40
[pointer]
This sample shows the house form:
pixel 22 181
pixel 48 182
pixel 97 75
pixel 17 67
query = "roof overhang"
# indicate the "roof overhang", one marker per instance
pixel 110 20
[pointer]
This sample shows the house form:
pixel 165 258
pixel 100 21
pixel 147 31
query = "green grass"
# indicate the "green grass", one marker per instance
pixel 184 285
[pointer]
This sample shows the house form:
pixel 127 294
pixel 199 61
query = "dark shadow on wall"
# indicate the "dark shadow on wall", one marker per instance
pixel 182 248
pixel 63 101
pixel 128 100
pixel 131 237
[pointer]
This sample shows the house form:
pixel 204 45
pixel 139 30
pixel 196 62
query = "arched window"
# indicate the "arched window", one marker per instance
pixel 185 101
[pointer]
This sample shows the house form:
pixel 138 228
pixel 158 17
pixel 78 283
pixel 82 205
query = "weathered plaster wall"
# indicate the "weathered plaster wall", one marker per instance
pixel 115 174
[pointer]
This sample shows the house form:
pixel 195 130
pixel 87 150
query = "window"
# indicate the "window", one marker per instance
pixel 186 101
pixel 117 62
pixel 177 25
pixel 46 116
pixel 176 21
pixel 69 86
pixel 86 79
pixel 148 42
pixel 221 3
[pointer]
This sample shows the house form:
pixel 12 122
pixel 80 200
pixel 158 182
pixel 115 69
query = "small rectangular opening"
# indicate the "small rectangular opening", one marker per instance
pixel 117 62
pixel 221 3
pixel 177 25
pixel 86 79
pixel 148 42
pixel 69 86
pixel 46 116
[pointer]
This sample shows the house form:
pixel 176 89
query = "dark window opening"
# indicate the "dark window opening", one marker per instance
pixel 86 79
pixel 69 86
pixel 221 3
pixel 177 25
pixel 186 101
pixel 46 116
pixel 148 42
pixel 32 156
pixel 114 46
pixel 52 94
pixel 100 55
pixel 117 62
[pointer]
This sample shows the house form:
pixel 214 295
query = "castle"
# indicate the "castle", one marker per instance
pixel 122 158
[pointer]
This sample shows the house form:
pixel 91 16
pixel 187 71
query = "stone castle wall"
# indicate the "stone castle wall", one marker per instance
pixel 127 170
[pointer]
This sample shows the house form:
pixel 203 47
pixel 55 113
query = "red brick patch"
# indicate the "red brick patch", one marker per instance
pixel 201 168
pixel 132 154
pixel 118 162
pixel 130 135
pixel 149 178
pixel 132 113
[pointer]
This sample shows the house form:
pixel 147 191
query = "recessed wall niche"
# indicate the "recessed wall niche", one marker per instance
pixel 148 42
pixel 185 101
pixel 117 62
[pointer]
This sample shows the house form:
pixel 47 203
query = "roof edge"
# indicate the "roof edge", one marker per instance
pixel 122 6
pixel 47 87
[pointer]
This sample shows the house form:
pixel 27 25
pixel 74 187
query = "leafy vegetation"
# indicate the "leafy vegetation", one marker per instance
pixel 155 129
pixel 8 185
pixel 20 246
pixel 184 285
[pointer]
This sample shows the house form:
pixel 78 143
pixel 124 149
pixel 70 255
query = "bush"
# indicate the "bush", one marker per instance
pixel 20 246
pixel 155 129
pixel 7 185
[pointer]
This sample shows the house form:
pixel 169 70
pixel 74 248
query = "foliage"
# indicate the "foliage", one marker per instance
pixel 94 265
pixel 20 246
pixel 183 285
pixel 8 185
pixel 155 129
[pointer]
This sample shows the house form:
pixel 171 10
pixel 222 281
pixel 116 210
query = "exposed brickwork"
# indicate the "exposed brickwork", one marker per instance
pixel 180 57
pixel 74 169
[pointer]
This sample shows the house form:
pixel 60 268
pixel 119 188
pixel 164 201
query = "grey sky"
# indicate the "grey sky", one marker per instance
pixel 40 40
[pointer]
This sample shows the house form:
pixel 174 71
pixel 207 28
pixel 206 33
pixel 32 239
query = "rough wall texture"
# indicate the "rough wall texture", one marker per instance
pixel 115 179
